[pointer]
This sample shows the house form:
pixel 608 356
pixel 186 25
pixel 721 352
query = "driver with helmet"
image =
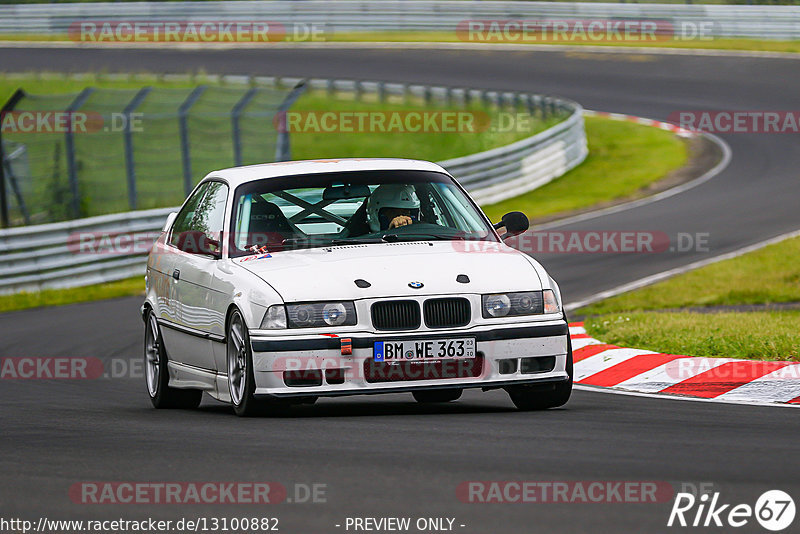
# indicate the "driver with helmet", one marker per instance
pixel 392 206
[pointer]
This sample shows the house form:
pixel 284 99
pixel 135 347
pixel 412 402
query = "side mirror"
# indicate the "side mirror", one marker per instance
pixel 514 222
pixel 170 219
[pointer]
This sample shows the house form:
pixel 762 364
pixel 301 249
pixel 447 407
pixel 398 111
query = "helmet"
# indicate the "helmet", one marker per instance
pixel 390 196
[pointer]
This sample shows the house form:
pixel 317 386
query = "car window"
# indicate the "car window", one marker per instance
pixel 366 206
pixel 209 216
pixel 198 228
pixel 183 221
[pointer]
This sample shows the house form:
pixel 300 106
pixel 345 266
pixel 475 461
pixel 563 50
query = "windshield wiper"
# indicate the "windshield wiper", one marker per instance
pixel 295 241
pixel 356 241
pixel 421 237
pixel 328 242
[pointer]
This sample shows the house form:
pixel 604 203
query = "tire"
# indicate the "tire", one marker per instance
pixel 156 373
pixel 431 396
pixel 241 381
pixel 544 396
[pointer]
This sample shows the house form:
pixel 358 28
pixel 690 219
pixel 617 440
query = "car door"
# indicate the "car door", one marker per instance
pixel 171 265
pixel 200 318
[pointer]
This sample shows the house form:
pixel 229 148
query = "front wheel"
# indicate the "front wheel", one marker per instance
pixel 157 375
pixel 431 396
pixel 241 380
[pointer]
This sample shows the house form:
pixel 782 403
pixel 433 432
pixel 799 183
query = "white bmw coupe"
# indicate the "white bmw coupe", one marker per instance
pixel 282 283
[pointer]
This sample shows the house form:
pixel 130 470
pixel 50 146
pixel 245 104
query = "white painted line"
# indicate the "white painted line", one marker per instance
pixel 576 330
pixel 662 396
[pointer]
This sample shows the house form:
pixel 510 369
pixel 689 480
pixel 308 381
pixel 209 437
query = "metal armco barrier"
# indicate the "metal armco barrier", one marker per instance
pixel 778 22
pixel 113 247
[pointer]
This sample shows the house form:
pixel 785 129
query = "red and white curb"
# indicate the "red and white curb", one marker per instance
pixel 668 126
pixel 720 379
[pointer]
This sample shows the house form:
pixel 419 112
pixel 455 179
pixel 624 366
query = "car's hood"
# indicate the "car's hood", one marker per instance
pixel 330 273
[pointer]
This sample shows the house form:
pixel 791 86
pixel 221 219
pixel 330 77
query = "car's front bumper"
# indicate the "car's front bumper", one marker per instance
pixel 314 365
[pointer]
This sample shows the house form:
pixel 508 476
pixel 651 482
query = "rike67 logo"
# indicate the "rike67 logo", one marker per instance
pixel 774 510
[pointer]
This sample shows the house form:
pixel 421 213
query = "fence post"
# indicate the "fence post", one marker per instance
pixel 14 185
pixel 236 114
pixel 467 97
pixel 130 167
pixel 358 90
pixel 283 151
pixel 381 92
pixel 69 146
pixel 183 112
pixel 8 106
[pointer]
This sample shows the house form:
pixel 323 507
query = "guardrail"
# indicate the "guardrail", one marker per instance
pixel 778 22
pixel 113 247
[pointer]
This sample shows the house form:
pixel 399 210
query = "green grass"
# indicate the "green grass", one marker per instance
pixel 772 335
pixel 433 146
pixel 759 45
pixel 767 276
pixel 623 158
pixel 58 297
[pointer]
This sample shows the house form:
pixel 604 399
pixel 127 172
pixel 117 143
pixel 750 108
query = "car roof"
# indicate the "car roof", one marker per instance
pixel 238 175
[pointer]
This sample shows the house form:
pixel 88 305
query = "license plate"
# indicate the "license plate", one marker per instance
pixel 426 349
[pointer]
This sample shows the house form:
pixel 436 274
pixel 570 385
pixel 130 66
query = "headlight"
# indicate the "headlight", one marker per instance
pixel 511 304
pixel 496 305
pixel 317 314
pixel 275 318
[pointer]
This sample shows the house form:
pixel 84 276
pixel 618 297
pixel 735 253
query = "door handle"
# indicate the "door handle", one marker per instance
pixel 176 274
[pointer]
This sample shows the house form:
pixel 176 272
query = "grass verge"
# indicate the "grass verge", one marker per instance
pixel 757 45
pixel 768 335
pixel 58 297
pixel 623 158
pixel 767 276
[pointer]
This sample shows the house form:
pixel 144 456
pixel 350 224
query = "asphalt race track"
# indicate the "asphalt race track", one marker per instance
pixel 388 456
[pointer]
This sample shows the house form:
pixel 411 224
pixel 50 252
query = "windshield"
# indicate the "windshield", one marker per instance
pixel 354 207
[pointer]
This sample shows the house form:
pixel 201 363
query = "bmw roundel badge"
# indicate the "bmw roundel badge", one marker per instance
pixel 415 285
